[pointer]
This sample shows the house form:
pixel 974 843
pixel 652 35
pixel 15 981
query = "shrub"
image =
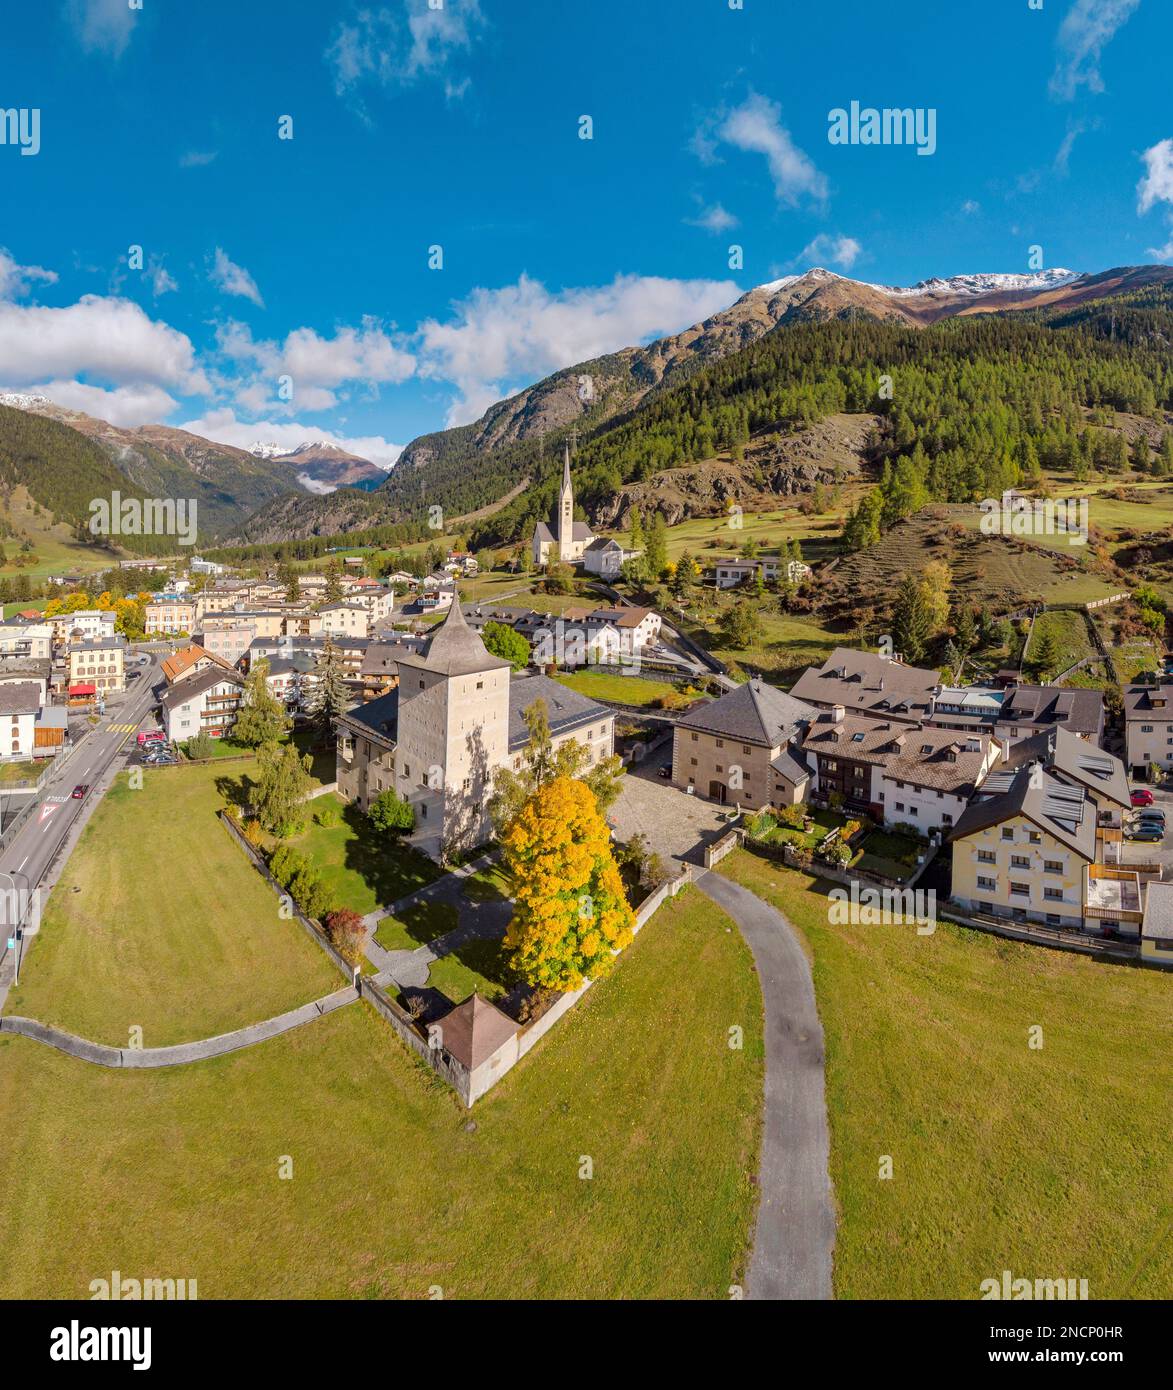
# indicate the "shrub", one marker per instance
pixel 390 813
pixel 794 817
pixel 655 872
pixel 347 933
pixel 308 892
pixel 201 746
pixel 327 815
pixel 253 833
pixel 760 824
pixel 286 864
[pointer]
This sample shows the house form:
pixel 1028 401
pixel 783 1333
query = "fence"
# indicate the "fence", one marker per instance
pixel 468 1085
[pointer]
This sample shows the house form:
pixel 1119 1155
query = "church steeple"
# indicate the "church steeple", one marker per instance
pixel 565 522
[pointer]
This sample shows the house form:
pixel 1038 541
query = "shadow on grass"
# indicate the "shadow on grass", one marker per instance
pixel 391 868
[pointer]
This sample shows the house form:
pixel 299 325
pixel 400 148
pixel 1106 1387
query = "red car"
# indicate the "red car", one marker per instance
pixel 80 790
pixel 1142 797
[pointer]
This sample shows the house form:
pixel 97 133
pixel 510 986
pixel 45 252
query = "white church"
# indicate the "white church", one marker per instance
pixel 570 542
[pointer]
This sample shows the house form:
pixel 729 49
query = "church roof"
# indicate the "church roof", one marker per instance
pixel 542 532
pixel 455 649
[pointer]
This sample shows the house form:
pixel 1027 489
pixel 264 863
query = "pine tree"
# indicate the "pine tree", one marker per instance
pixel 262 718
pixel 911 621
pixel 329 696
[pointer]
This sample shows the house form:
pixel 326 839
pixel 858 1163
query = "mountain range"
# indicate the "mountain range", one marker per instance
pixel 266 493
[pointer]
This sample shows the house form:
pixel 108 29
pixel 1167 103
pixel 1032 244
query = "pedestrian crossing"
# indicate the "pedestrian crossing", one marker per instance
pixel 122 728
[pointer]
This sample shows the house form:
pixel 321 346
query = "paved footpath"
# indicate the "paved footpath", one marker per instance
pixel 795 1234
pixel 176 1056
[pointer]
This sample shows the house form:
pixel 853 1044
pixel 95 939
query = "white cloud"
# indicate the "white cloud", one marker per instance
pixel 125 406
pixel 223 426
pixel 713 219
pixel 970 207
pixel 511 336
pixel 234 279
pixel 160 278
pixel 196 159
pixel 1157 184
pixel 1087 28
pixel 396 45
pixel 1163 253
pixel 15 279
pixel 109 338
pixel 756 127
pixel 834 250
pixel 317 365
pixel 102 26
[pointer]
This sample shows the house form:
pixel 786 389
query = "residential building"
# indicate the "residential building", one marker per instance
pixel 25 639
pixel 564 540
pixel 606 557
pixel 20 708
pixel 744 748
pixel 1032 709
pixel 351 618
pixel 967 707
pixel 86 623
pixel 866 683
pixel 169 615
pixel 736 570
pixel 226 638
pixel 206 701
pixel 100 662
pixel 201 566
pixel 189 661
pixel 1148 727
pixel 638 628
pixel 897 773
pixel 1156 933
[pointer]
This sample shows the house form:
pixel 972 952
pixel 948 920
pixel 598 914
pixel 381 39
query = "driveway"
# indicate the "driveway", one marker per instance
pixel 1143 852
pixel 676 825
pixel 795 1234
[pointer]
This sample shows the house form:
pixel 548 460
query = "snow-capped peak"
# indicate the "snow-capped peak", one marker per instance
pixel 815 273
pixel 983 283
pixel 266 449
pixel 21 400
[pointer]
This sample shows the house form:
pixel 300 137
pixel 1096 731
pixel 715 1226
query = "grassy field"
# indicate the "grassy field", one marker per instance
pixel 20 771
pixel 417 925
pixel 361 868
pixel 159 921
pixel 175 1173
pixel 1046 1162
pixel 621 690
pixel 1069 635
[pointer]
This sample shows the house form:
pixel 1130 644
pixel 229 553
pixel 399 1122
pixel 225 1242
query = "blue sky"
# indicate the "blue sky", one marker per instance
pixel 304 262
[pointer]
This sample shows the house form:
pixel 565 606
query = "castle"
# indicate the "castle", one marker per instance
pixel 567 542
pixel 456 715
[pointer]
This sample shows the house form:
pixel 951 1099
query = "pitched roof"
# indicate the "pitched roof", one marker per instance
pixel 455 649
pixel 474 1030
pixel 376 719
pixel 1139 700
pixel 1063 811
pixel 869 684
pixel 184 660
pixel 1074 759
pixel 1157 923
pixel 185 690
pixel 20 697
pixel 753 713
pixel 949 760
pixel 1081 711
pixel 566 709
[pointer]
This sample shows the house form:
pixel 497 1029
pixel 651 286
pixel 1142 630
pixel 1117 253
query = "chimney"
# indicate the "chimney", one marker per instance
pixel 837 713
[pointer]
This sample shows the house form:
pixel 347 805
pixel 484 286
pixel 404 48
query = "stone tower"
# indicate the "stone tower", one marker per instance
pixel 453 731
pixel 565 534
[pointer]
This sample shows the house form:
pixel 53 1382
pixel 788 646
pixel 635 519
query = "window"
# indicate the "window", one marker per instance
pixel 900 805
pixel 946 818
pixel 1007 834
pixel 988 883
pixel 987 856
pixel 1053 866
pixel 1034 837
pixel 694 738
pixel 480 685
pixel 745 747
pixel 1146 728
pixel 1019 861
pixel 1020 890
pixel 720 743
pixel 1054 895
pixel 692 762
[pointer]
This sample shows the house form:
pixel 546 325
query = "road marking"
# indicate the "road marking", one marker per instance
pixel 47 810
pixel 22 863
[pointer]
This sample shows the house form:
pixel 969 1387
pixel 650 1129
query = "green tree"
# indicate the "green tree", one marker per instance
pixel 262 718
pixel 280 785
pixel 685 576
pixel 743 624
pixel 656 548
pixel 508 644
pixel 391 814
pixel 912 626
pixel 1044 651
pixel 287 576
pixel 329 696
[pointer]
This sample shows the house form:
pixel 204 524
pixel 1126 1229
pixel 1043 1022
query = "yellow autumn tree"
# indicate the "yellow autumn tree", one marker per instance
pixel 570 912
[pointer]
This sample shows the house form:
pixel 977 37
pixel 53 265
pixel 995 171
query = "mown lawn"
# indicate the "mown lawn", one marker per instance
pixel 622 690
pixel 159 921
pixel 1045 1162
pixel 362 868
pixel 176 1172
pixel 418 924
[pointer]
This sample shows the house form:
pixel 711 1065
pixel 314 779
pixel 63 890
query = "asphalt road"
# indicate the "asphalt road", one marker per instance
pixel 26 858
pixel 795 1235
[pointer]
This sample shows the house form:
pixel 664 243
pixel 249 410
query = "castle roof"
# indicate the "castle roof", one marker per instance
pixel 455 649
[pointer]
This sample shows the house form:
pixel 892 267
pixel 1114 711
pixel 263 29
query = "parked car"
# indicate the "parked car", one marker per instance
pixel 1152 833
pixel 1141 796
pixel 149 736
pixel 1150 813
pixel 80 790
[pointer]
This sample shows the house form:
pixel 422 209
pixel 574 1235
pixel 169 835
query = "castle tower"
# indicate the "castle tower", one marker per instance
pixel 453 731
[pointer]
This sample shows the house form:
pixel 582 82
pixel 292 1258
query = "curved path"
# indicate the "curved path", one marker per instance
pixel 176 1056
pixel 795 1234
